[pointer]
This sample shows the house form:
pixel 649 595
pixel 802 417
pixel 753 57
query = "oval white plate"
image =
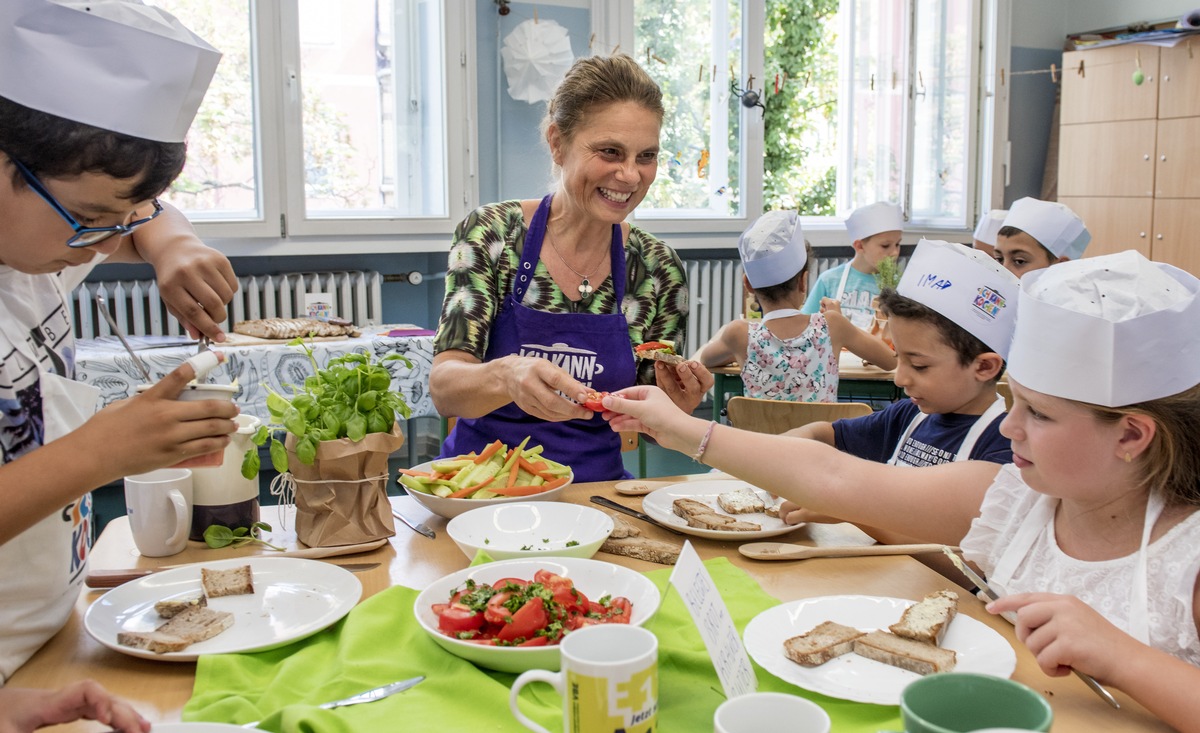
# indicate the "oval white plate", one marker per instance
pixel 450 508
pixel 194 728
pixel 531 529
pixel 851 677
pixel 659 504
pixel 293 598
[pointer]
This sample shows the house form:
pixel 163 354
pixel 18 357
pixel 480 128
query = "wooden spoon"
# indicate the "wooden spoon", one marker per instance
pixel 640 487
pixel 786 551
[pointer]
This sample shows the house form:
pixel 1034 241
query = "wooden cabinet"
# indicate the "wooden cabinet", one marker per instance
pixel 1129 155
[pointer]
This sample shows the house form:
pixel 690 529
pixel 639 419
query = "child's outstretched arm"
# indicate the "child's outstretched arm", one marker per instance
pixel 727 346
pixel 935 504
pixel 23 709
pixel 1065 633
pixel 845 334
pixel 139 434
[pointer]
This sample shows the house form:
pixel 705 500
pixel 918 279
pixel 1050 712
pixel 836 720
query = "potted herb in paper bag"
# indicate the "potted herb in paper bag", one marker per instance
pixel 341 426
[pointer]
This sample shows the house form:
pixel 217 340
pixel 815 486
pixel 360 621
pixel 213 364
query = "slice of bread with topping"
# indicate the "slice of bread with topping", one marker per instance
pixel 190 626
pixel 915 656
pixel 742 501
pixel 824 642
pixel 928 620
pixel 170 608
pixel 232 582
pixel 702 516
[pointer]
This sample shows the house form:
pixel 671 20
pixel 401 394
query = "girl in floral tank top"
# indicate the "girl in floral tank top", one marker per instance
pixel 799 369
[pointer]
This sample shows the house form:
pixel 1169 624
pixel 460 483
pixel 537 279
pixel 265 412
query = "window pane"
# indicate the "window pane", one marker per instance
pixel 688 47
pixel 874 76
pixel 941 112
pixel 373 108
pixel 220 179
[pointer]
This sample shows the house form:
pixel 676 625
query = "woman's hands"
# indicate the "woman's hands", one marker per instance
pixel 25 710
pixel 649 410
pixel 537 386
pixel 685 383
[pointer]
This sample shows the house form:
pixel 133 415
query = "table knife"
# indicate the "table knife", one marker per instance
pixel 416 526
pixel 605 502
pixel 990 595
pixel 363 697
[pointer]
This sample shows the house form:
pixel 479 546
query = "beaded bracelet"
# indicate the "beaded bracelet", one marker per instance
pixel 699 454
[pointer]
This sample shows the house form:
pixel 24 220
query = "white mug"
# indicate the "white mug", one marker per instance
pixel 770 712
pixel 159 505
pixel 609 681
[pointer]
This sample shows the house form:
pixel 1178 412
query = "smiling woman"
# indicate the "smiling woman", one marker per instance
pixel 523 325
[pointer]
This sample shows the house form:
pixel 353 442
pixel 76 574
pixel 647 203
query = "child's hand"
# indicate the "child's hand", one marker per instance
pixel 792 513
pixel 196 282
pixel 685 383
pixel 24 710
pixel 1064 633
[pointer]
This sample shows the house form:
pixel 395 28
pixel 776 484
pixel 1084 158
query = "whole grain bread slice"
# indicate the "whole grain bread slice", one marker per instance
pixel 170 608
pixel 642 548
pixel 190 626
pixel 915 656
pixel 742 501
pixel 231 582
pixel 928 620
pixel 824 642
pixel 701 515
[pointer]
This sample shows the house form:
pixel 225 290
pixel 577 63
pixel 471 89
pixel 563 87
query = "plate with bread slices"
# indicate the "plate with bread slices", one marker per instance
pixel 241 605
pixel 719 509
pixel 868 648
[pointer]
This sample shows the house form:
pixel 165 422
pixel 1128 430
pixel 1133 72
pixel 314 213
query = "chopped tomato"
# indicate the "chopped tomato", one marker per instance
pixel 654 346
pixel 594 401
pixel 526 622
pixel 620 611
pixel 456 618
pixel 503 583
pixel 496 613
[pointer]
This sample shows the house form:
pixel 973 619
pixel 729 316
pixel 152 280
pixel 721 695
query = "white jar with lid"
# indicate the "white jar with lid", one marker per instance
pixel 221 494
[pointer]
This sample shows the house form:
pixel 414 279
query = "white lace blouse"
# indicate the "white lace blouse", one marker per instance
pixel 1105 585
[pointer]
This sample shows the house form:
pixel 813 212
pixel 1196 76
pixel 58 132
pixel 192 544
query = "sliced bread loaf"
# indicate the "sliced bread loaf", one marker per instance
pixel 928 620
pixel 822 643
pixel 232 582
pixel 915 656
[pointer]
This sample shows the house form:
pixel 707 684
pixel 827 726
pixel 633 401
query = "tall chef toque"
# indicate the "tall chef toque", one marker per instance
pixel 118 65
pixel 1112 331
pixel 989 226
pixel 874 218
pixel 966 286
pixel 1053 225
pixel 772 249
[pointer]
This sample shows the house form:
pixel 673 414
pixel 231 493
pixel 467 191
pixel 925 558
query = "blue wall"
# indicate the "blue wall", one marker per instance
pixel 1030 117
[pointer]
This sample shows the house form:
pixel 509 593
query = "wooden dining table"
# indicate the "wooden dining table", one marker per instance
pixel 159 689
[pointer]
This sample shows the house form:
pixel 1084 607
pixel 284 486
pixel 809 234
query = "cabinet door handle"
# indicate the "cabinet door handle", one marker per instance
pixel 1163 158
pixel 1146 156
pixel 1159 236
pixel 1142 235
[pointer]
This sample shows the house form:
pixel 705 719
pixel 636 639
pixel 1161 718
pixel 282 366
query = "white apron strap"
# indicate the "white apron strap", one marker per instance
pixel 842 285
pixel 1139 590
pixel 1038 517
pixel 991 413
pixel 912 425
pixel 781 313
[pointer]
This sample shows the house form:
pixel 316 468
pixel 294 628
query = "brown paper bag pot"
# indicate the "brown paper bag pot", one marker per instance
pixel 334 505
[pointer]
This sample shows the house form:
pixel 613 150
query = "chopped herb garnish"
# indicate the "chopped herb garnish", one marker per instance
pixel 572 543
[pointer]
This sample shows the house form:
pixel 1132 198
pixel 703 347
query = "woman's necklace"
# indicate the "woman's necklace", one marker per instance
pixel 585 287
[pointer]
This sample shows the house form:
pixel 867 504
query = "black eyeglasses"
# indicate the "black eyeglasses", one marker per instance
pixel 84 236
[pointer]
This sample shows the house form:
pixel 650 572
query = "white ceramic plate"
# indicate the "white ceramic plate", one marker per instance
pixel 450 508
pixel 531 529
pixel 194 728
pixel 851 677
pixel 659 505
pixel 592 577
pixel 293 598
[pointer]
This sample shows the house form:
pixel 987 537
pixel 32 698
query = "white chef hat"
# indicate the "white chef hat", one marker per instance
pixel 1112 330
pixel 1052 224
pixel 772 249
pixel 989 225
pixel 118 65
pixel 966 286
pixel 873 219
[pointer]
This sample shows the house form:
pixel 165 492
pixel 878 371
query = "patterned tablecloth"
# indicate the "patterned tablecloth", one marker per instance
pixel 104 363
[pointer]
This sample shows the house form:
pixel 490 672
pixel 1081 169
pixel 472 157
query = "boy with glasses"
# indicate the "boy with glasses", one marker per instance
pixel 95 100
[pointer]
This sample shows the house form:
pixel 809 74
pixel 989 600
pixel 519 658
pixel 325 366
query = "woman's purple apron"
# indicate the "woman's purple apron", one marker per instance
pixel 592 347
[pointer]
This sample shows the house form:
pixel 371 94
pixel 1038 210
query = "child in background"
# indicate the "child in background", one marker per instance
pixel 1038 234
pixel 23 710
pixel 951 317
pixel 987 230
pixel 876 231
pixel 786 355
pixel 1092 535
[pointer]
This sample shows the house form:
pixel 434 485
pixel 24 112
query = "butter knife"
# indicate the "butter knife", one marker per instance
pixel 416 526
pixel 990 595
pixel 369 696
pixel 605 502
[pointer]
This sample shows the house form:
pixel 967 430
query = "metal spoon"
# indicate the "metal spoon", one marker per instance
pixel 102 305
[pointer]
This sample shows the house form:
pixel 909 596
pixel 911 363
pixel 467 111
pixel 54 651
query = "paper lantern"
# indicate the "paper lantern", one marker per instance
pixel 536 57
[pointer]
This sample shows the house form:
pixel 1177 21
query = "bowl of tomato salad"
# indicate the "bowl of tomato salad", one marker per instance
pixel 511 615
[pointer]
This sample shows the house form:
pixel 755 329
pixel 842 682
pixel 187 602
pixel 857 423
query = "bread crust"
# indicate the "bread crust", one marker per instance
pixel 817 646
pixel 660 356
pixel 232 582
pixel 741 501
pixel 702 516
pixel 168 609
pixel 915 656
pixel 928 620
pixel 191 625
pixel 642 548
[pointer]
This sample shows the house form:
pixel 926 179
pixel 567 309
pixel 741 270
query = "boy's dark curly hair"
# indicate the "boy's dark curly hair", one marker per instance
pixel 953 335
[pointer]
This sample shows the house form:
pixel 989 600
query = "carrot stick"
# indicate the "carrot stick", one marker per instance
pixel 464 493
pixel 512 475
pixel 488 452
pixel 541 473
pixel 419 474
pixel 529 490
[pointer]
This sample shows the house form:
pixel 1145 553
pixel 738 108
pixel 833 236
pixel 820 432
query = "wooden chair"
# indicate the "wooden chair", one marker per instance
pixel 1004 391
pixel 780 416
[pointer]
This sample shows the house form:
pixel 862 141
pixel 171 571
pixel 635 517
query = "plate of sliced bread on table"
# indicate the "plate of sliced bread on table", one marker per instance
pixel 868 648
pixel 720 509
pixel 240 605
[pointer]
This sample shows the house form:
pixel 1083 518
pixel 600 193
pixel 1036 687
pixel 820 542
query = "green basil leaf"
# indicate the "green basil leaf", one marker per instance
pixel 279 457
pixel 306 450
pixel 356 428
pixel 366 400
pixel 251 462
pixel 217 536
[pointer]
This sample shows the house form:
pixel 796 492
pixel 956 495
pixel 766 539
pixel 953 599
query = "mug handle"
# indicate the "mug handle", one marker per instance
pixel 554 679
pixel 182 525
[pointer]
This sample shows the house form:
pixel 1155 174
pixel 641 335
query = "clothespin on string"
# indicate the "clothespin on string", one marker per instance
pixel 591 41
pixel 1001 76
pixel 1053 73
pixel 872 82
pixel 700 74
pixel 1081 73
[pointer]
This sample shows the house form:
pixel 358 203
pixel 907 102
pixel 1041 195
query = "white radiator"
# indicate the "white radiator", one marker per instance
pixel 139 309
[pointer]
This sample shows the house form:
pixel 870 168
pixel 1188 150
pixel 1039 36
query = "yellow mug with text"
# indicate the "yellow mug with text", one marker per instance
pixel 608 682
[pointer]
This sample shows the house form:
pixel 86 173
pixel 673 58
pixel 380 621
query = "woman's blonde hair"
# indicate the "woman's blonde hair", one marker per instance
pixel 1171 463
pixel 599 81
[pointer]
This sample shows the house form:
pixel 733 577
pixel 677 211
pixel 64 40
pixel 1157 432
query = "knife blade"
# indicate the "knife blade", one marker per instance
pixel 606 502
pixel 990 595
pixel 363 697
pixel 418 527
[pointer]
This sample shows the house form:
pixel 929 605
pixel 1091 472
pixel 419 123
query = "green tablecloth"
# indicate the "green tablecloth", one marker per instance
pixel 380 641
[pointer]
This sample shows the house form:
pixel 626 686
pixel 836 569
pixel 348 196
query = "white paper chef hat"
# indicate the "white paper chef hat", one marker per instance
pixel 1052 224
pixel 1112 330
pixel 966 286
pixel 873 219
pixel 989 225
pixel 772 249
pixel 118 65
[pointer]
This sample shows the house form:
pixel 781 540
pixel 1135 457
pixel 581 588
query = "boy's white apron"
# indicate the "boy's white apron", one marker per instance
pixel 964 451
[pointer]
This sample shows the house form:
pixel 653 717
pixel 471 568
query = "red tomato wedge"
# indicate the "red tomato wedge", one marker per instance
pixel 594 401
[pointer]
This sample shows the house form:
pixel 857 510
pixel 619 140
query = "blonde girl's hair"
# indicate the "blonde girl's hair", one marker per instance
pixel 596 81
pixel 1171 464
